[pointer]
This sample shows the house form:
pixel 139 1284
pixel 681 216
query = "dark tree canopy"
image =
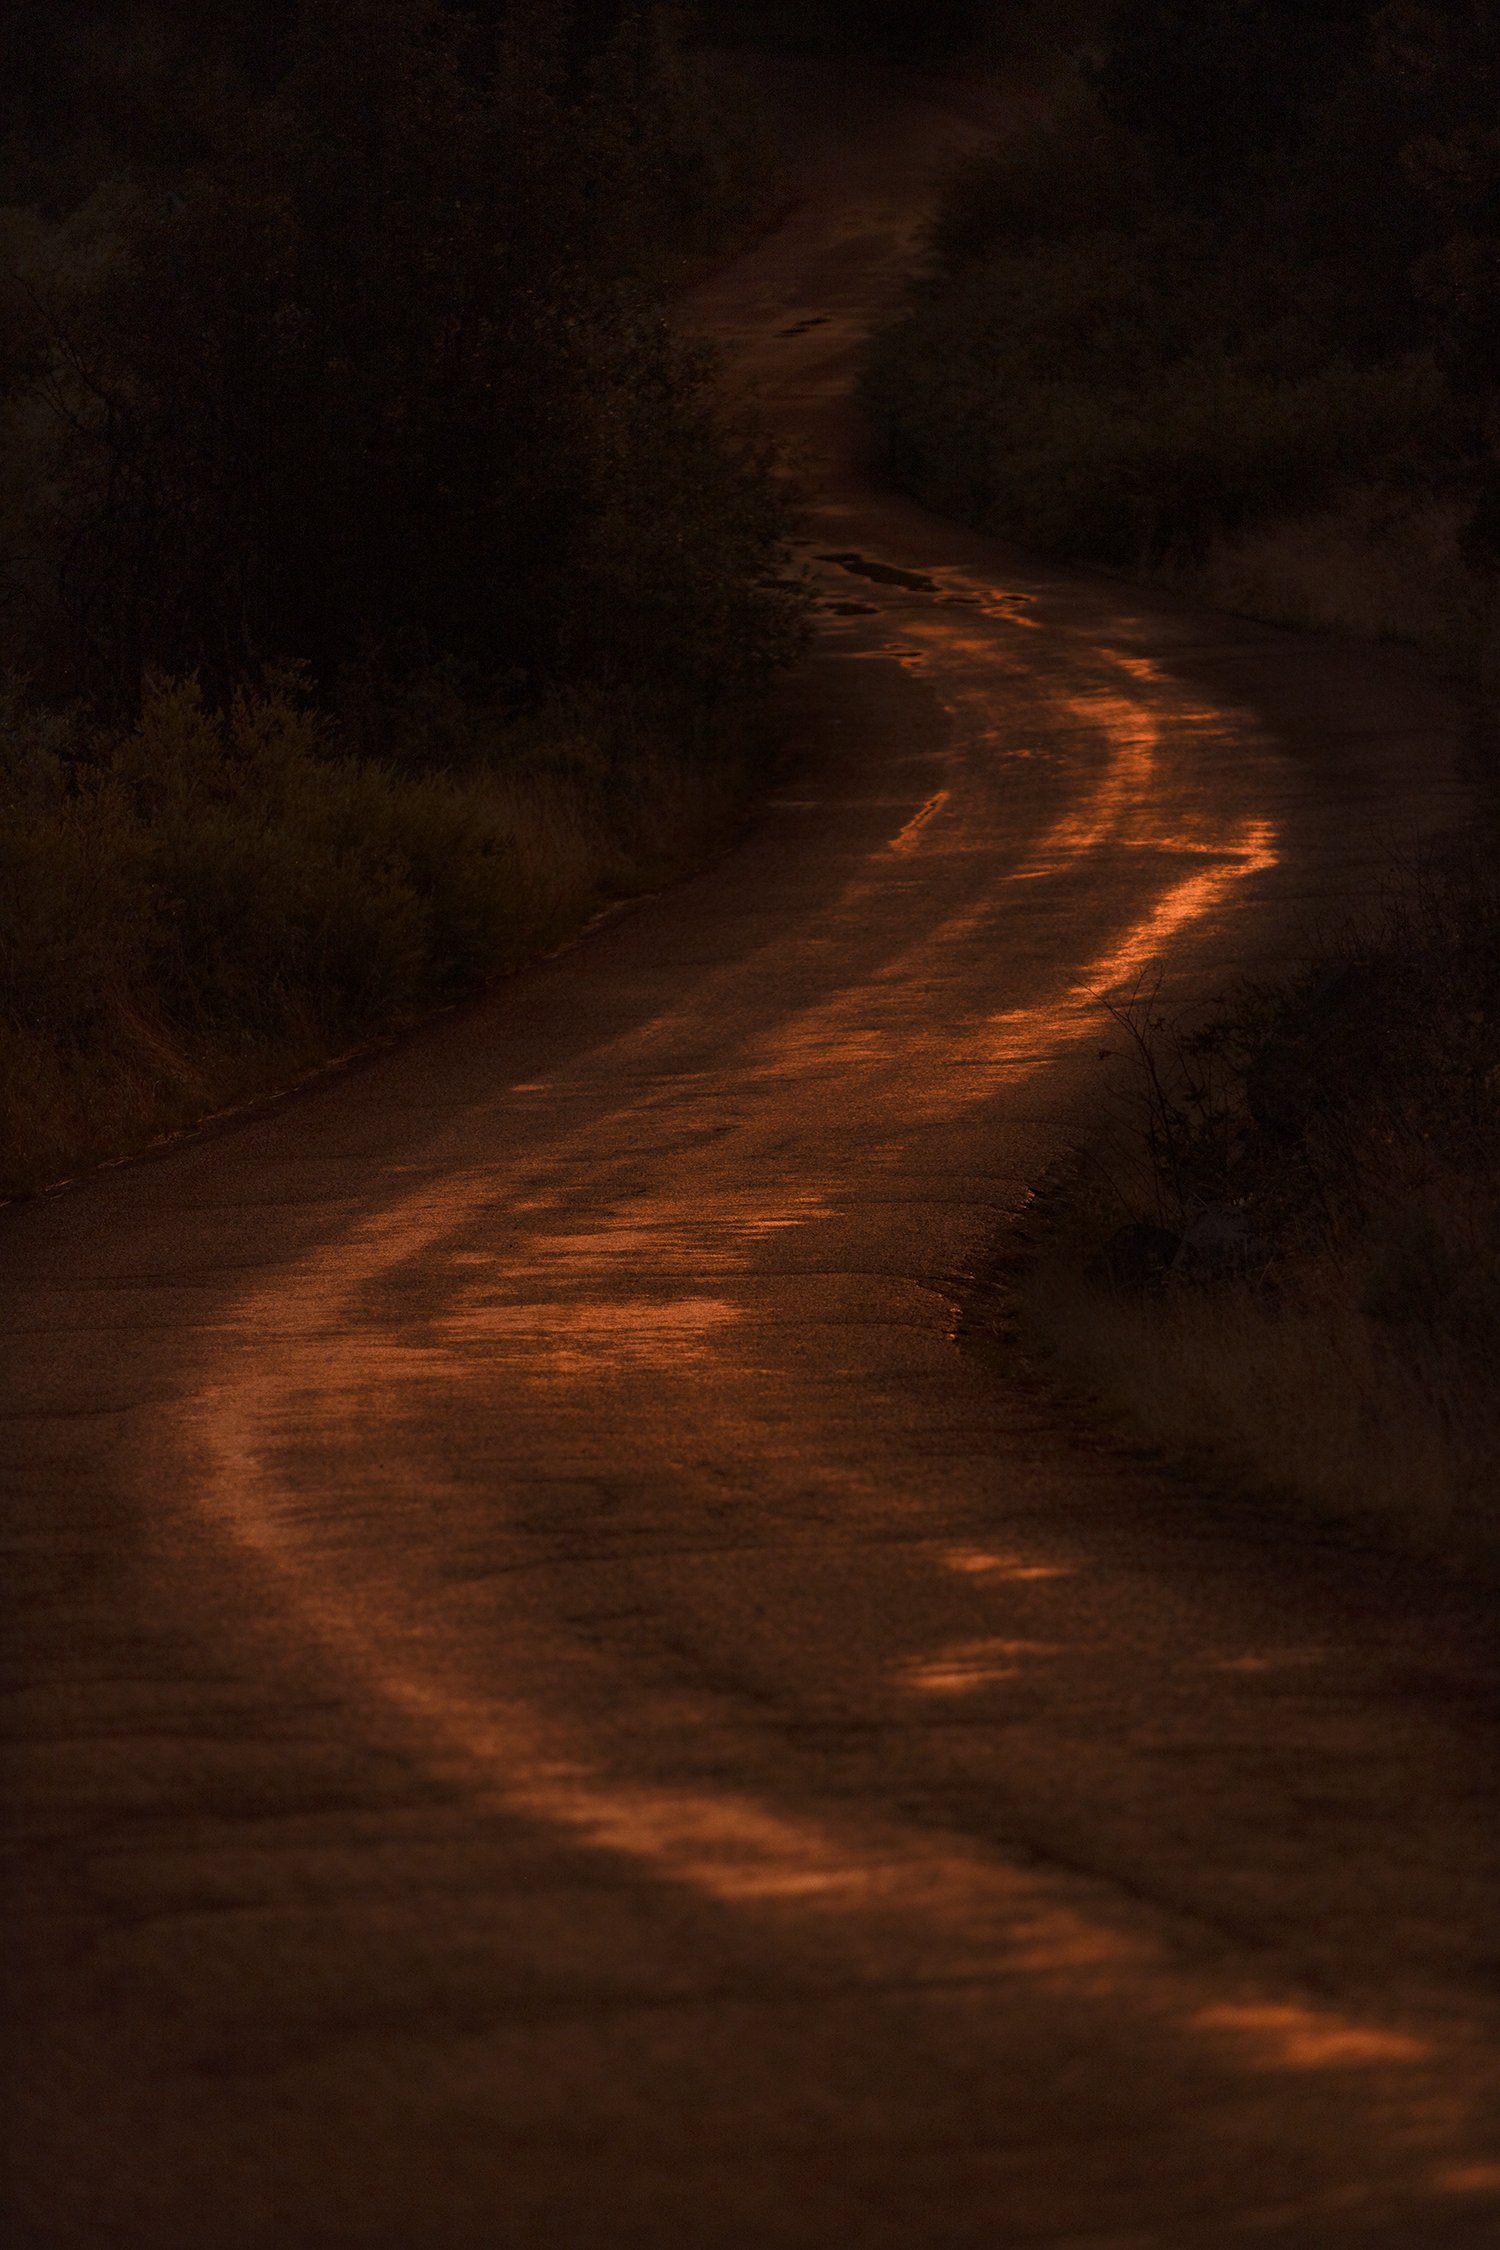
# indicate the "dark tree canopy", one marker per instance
pixel 898 30
pixel 374 377
pixel 1209 83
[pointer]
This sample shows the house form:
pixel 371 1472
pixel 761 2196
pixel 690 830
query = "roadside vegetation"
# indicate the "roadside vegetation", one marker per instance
pixel 1223 312
pixel 1283 1258
pixel 383 584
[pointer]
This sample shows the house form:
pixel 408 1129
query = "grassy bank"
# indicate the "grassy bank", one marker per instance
pixel 1282 1258
pixel 200 908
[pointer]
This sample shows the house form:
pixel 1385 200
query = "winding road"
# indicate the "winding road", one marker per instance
pixel 552 1702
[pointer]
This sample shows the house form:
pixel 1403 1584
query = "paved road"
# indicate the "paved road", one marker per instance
pixel 551 1703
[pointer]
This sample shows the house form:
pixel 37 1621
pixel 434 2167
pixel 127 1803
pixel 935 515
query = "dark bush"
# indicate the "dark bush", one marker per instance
pixel 1068 396
pixel 1232 276
pixel 373 384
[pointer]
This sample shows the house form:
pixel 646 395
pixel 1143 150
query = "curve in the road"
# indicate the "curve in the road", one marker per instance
pixel 551 1701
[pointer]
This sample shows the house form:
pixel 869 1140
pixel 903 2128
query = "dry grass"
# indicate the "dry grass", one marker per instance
pixel 1301 1393
pixel 1349 1124
pixel 203 910
pixel 1381 566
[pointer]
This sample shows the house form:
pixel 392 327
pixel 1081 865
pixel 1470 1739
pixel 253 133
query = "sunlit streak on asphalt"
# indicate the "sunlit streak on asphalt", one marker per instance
pixel 909 836
pixel 1252 853
pixel 993 1920
pixel 971 1665
pixel 566 1307
pixel 306 1344
pixel 1294 2037
pixel 980 1562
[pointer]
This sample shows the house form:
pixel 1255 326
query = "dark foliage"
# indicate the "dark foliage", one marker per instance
pixel 1444 64
pixel 1249 264
pixel 91 89
pixel 1338 1104
pixel 378 385
pixel 1207 85
pixel 891 30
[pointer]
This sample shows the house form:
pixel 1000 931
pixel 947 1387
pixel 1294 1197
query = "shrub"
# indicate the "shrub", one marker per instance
pixel 1066 395
pixel 1164 331
pixel 1346 1124
pixel 1067 173
pixel 372 381
pixel 200 905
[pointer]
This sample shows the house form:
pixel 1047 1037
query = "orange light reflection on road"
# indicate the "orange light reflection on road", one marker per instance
pixel 562 1320
pixel 971 1665
pixel 309 1341
pixel 1002 1919
pixel 980 1562
pixel 907 840
pixel 1188 901
pixel 1290 2037
pixel 1133 734
pixel 1467 2179
pixel 591 1335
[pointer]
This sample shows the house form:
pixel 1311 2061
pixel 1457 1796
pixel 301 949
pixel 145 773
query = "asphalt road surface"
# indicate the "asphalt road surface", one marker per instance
pixel 551 1702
